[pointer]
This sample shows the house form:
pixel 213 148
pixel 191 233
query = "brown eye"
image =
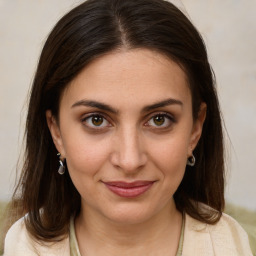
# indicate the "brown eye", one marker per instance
pixel 159 120
pixel 97 120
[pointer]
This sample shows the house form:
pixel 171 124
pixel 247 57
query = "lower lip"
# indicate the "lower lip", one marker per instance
pixel 130 192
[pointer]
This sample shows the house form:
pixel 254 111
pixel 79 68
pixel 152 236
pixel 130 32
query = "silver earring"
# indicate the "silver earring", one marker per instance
pixel 191 160
pixel 62 168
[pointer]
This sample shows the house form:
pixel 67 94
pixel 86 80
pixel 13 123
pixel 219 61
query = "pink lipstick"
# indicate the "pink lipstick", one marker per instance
pixel 129 189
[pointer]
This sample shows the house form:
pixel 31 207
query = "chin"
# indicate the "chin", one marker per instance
pixel 130 215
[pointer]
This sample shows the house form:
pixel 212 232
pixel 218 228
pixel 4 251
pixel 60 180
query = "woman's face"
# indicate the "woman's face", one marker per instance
pixel 126 131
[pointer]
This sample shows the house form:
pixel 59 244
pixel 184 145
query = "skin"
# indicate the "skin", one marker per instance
pixel 131 141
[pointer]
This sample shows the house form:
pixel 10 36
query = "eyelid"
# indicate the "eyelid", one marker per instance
pixel 163 113
pixel 92 114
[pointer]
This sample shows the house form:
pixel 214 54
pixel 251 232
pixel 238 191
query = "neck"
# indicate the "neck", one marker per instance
pixel 157 236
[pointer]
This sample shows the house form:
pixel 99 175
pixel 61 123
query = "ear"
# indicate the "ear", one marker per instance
pixel 197 128
pixel 55 132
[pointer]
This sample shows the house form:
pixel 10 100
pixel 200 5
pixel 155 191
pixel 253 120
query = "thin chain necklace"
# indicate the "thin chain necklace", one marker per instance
pixel 74 249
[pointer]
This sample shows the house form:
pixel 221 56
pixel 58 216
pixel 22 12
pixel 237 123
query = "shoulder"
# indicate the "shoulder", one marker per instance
pixel 19 242
pixel 226 237
pixel 229 226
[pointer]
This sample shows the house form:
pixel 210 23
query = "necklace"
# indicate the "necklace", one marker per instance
pixel 74 249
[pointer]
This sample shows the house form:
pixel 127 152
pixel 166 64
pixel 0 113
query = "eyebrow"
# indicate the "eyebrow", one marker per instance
pixel 103 106
pixel 95 104
pixel 161 104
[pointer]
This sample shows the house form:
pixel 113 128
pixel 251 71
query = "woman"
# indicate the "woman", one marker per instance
pixel 124 150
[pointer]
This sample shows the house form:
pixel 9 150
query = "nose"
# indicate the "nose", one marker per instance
pixel 129 154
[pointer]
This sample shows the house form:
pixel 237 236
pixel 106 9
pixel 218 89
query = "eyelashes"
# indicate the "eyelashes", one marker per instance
pixel 96 121
pixel 159 121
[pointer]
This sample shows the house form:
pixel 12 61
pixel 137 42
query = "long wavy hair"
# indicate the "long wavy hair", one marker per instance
pixel 92 29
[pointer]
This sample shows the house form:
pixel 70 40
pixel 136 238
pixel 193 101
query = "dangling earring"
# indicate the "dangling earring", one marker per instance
pixel 191 160
pixel 62 168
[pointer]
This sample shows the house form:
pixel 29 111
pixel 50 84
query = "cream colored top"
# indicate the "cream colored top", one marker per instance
pixel 226 238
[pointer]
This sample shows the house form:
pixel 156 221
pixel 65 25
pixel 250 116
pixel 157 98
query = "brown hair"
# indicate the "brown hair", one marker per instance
pixel 90 30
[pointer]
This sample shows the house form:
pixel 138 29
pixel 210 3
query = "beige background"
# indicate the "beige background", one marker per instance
pixel 229 29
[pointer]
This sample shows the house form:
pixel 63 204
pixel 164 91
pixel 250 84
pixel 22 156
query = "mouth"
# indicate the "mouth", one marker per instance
pixel 129 189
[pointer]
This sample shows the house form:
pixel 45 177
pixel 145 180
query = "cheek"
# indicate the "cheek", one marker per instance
pixel 171 152
pixel 171 158
pixel 85 154
pixel 85 159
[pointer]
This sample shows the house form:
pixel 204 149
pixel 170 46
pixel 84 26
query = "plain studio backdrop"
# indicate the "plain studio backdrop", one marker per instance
pixel 229 30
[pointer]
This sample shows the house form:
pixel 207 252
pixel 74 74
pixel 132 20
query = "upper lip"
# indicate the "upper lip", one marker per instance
pixel 124 184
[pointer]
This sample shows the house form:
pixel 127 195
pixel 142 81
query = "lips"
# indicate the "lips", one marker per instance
pixel 129 189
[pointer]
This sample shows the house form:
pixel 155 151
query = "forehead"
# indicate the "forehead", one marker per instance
pixel 140 76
